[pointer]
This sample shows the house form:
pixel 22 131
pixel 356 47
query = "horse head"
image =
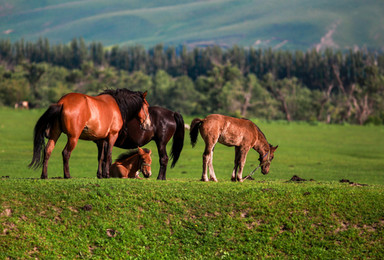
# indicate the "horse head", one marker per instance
pixel 146 161
pixel 143 116
pixel 265 160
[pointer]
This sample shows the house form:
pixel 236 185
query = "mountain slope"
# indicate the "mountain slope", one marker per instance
pixel 295 24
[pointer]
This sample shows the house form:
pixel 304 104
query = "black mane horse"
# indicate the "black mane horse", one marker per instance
pixel 164 124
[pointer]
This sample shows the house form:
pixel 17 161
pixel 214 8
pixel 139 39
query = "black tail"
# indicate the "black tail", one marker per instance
pixel 178 138
pixel 43 124
pixel 194 131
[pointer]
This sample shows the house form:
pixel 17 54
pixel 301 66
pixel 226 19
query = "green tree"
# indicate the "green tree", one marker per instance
pixel 294 98
pixel 162 84
pixel 13 87
pixel 97 53
pixel 33 74
pixel 183 97
pixel 258 102
pixel 78 54
pixel 137 81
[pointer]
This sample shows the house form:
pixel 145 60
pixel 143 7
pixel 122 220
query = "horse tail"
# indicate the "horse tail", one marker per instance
pixel 194 131
pixel 44 123
pixel 178 138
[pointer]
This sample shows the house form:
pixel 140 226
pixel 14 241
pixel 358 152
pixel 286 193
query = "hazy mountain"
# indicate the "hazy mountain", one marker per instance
pixel 285 24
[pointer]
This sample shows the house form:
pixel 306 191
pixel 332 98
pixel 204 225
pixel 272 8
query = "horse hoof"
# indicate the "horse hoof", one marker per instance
pixel 204 179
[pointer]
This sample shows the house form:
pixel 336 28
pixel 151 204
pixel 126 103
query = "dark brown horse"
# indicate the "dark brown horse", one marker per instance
pixel 128 165
pixel 164 124
pixel 230 131
pixel 99 119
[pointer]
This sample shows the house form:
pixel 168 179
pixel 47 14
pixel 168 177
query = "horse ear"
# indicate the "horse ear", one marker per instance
pixel 141 151
pixel 145 94
pixel 274 148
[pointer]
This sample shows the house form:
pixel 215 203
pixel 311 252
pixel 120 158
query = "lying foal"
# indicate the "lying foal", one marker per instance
pixel 128 164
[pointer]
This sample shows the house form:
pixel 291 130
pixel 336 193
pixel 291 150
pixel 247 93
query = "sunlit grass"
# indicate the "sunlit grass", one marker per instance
pixel 320 152
pixel 86 217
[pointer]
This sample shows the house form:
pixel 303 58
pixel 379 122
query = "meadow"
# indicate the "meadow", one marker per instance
pixel 85 217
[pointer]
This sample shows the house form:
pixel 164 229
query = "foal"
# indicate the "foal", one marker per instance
pixel 230 131
pixel 128 164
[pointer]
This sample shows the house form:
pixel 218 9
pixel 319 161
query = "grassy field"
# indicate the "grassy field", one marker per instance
pixel 295 25
pixel 320 152
pixel 184 218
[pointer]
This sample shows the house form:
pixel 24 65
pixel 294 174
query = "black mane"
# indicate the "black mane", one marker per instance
pixel 130 153
pixel 129 102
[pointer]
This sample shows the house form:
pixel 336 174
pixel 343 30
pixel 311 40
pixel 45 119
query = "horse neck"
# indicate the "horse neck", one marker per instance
pixel 261 146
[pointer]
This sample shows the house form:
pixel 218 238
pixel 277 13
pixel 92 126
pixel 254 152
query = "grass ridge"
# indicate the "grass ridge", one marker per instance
pixel 189 219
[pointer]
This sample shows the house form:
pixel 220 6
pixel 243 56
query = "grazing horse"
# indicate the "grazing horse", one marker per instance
pixel 129 164
pixel 230 131
pixel 79 116
pixel 164 124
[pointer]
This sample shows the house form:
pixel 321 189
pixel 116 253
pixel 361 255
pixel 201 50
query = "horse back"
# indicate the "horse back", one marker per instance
pixel 228 130
pixel 90 117
pixel 164 122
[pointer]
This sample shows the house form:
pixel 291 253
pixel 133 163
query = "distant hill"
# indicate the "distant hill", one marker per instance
pixel 279 24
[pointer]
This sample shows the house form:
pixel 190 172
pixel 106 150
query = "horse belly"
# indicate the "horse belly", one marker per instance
pixel 230 138
pixel 100 125
pixel 90 134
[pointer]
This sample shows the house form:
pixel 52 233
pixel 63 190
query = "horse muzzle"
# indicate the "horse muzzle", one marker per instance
pixel 265 170
pixel 146 124
pixel 149 174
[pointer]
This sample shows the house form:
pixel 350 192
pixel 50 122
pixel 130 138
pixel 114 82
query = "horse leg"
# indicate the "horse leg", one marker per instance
pixel 54 136
pixel 237 159
pixel 100 157
pixel 207 161
pixel 242 158
pixel 71 144
pixel 108 156
pixel 163 160
pixel 210 166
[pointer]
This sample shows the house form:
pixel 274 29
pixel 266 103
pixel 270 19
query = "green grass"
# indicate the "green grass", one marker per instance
pixel 300 24
pixel 85 217
pixel 320 152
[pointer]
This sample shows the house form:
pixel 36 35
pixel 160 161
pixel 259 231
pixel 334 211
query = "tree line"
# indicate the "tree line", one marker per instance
pixel 329 86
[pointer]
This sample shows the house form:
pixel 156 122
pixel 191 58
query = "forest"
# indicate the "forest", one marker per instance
pixel 330 86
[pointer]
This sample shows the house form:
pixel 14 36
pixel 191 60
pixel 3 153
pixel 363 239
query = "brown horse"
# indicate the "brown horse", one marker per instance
pixel 129 164
pixel 79 116
pixel 230 131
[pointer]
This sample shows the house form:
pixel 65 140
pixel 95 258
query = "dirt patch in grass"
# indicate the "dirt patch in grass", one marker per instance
pixel 352 183
pixel 296 178
pixel 87 207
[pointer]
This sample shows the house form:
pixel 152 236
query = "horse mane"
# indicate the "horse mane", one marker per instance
pixel 130 153
pixel 129 102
